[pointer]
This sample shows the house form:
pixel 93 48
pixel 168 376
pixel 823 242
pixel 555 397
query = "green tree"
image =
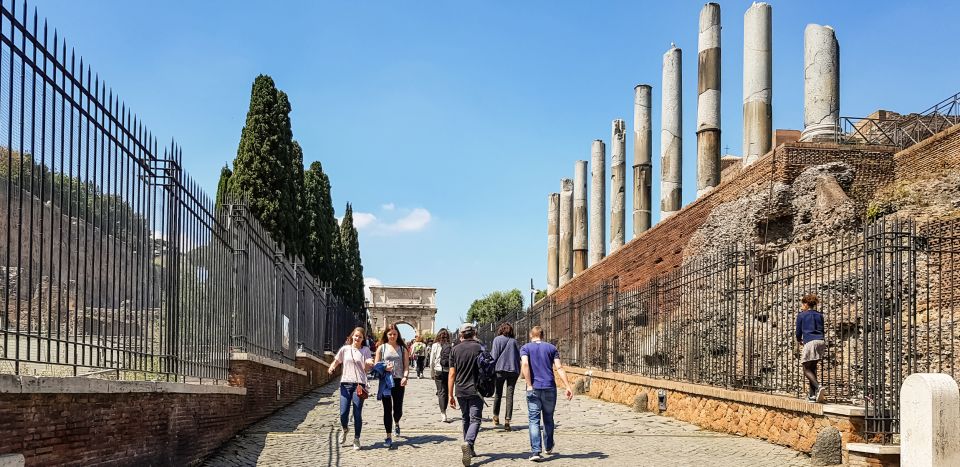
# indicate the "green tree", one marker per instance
pixel 352 275
pixel 223 186
pixel 495 306
pixel 264 172
pixel 321 227
pixel 541 294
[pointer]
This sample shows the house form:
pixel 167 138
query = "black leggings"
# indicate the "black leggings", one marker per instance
pixel 810 371
pixel 393 406
pixel 511 381
pixel 420 361
pixel 442 396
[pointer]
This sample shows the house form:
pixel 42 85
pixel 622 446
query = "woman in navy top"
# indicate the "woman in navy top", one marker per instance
pixel 810 336
pixel 506 352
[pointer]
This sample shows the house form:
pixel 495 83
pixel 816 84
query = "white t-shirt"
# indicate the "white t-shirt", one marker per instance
pixel 353 361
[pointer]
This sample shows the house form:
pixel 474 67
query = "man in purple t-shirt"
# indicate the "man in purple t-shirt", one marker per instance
pixel 538 360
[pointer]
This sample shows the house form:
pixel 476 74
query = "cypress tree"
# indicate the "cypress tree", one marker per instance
pixel 353 268
pixel 322 230
pixel 223 186
pixel 266 161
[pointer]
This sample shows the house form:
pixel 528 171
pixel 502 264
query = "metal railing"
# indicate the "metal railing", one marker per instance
pixel 727 318
pixel 113 258
pixel 900 131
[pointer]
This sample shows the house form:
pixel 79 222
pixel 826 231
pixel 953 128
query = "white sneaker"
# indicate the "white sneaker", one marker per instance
pixel 548 452
pixel 356 444
pixel 343 435
pixel 443 417
pixel 535 458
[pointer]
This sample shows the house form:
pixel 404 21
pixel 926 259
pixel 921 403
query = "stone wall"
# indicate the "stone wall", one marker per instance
pixel 936 154
pixel 777 419
pixel 81 421
pixel 660 249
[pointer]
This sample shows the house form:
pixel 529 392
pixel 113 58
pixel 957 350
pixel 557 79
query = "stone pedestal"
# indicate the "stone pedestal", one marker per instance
pixel 757 82
pixel 929 421
pixel 642 158
pixel 618 188
pixel 821 84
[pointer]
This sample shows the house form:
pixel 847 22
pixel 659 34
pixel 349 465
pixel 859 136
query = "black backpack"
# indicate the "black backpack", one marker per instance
pixel 445 357
pixel 486 373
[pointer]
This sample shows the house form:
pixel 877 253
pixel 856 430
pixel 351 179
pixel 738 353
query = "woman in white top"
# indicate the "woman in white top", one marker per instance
pixel 392 352
pixel 441 370
pixel 356 361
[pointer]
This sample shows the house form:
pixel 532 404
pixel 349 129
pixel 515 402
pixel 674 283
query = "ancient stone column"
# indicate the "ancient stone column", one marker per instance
pixel 708 99
pixel 642 158
pixel 598 201
pixel 671 127
pixel 618 188
pixel 565 253
pixel 821 84
pixel 579 217
pixel 757 82
pixel 553 242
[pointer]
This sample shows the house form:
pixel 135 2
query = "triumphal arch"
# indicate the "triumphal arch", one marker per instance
pixel 416 306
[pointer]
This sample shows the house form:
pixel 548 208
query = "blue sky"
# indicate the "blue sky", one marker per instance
pixel 447 124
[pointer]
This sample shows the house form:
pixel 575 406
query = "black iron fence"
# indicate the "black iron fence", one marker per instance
pixel 111 257
pixel 901 131
pixel 727 318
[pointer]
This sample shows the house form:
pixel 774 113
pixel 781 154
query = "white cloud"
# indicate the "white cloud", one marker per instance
pixel 362 220
pixel 389 207
pixel 414 221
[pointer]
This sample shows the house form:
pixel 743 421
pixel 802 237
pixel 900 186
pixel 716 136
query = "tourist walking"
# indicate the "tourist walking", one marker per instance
pixel 538 361
pixel 506 353
pixel 462 387
pixel 440 365
pixel 393 353
pixel 356 361
pixel 420 352
pixel 810 338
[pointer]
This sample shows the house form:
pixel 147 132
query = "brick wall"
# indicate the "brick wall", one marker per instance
pixel 113 427
pixel 659 249
pixel 936 154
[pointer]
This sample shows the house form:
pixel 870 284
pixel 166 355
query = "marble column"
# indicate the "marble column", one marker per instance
pixel 618 187
pixel 642 158
pixel 565 248
pixel 553 241
pixel 757 82
pixel 598 201
pixel 579 217
pixel 821 84
pixel 671 128
pixel 708 99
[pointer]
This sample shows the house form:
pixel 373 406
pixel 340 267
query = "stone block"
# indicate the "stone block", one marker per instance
pixel 11 460
pixel 580 386
pixel 930 420
pixel 827 449
pixel 640 402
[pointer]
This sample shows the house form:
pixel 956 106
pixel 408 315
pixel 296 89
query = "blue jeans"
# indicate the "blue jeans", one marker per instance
pixel 348 397
pixel 471 410
pixel 541 402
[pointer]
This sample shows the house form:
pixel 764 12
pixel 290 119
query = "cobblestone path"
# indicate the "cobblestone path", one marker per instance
pixel 589 432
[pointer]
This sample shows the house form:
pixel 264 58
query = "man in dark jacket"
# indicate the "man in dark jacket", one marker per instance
pixel 462 386
pixel 810 336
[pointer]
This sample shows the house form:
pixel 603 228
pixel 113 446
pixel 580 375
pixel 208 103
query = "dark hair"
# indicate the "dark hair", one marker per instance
pixel 392 327
pixel 363 332
pixel 810 300
pixel 443 336
pixel 505 329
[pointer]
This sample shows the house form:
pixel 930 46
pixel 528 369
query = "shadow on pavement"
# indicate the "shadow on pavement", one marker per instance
pixel 583 455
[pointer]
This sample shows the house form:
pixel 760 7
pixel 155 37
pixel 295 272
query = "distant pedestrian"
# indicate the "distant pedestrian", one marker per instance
pixel 420 352
pixel 538 361
pixel 356 361
pixel 440 365
pixel 810 338
pixel 393 352
pixel 506 352
pixel 462 388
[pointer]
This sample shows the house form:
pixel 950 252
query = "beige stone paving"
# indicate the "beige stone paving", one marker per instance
pixel 589 432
